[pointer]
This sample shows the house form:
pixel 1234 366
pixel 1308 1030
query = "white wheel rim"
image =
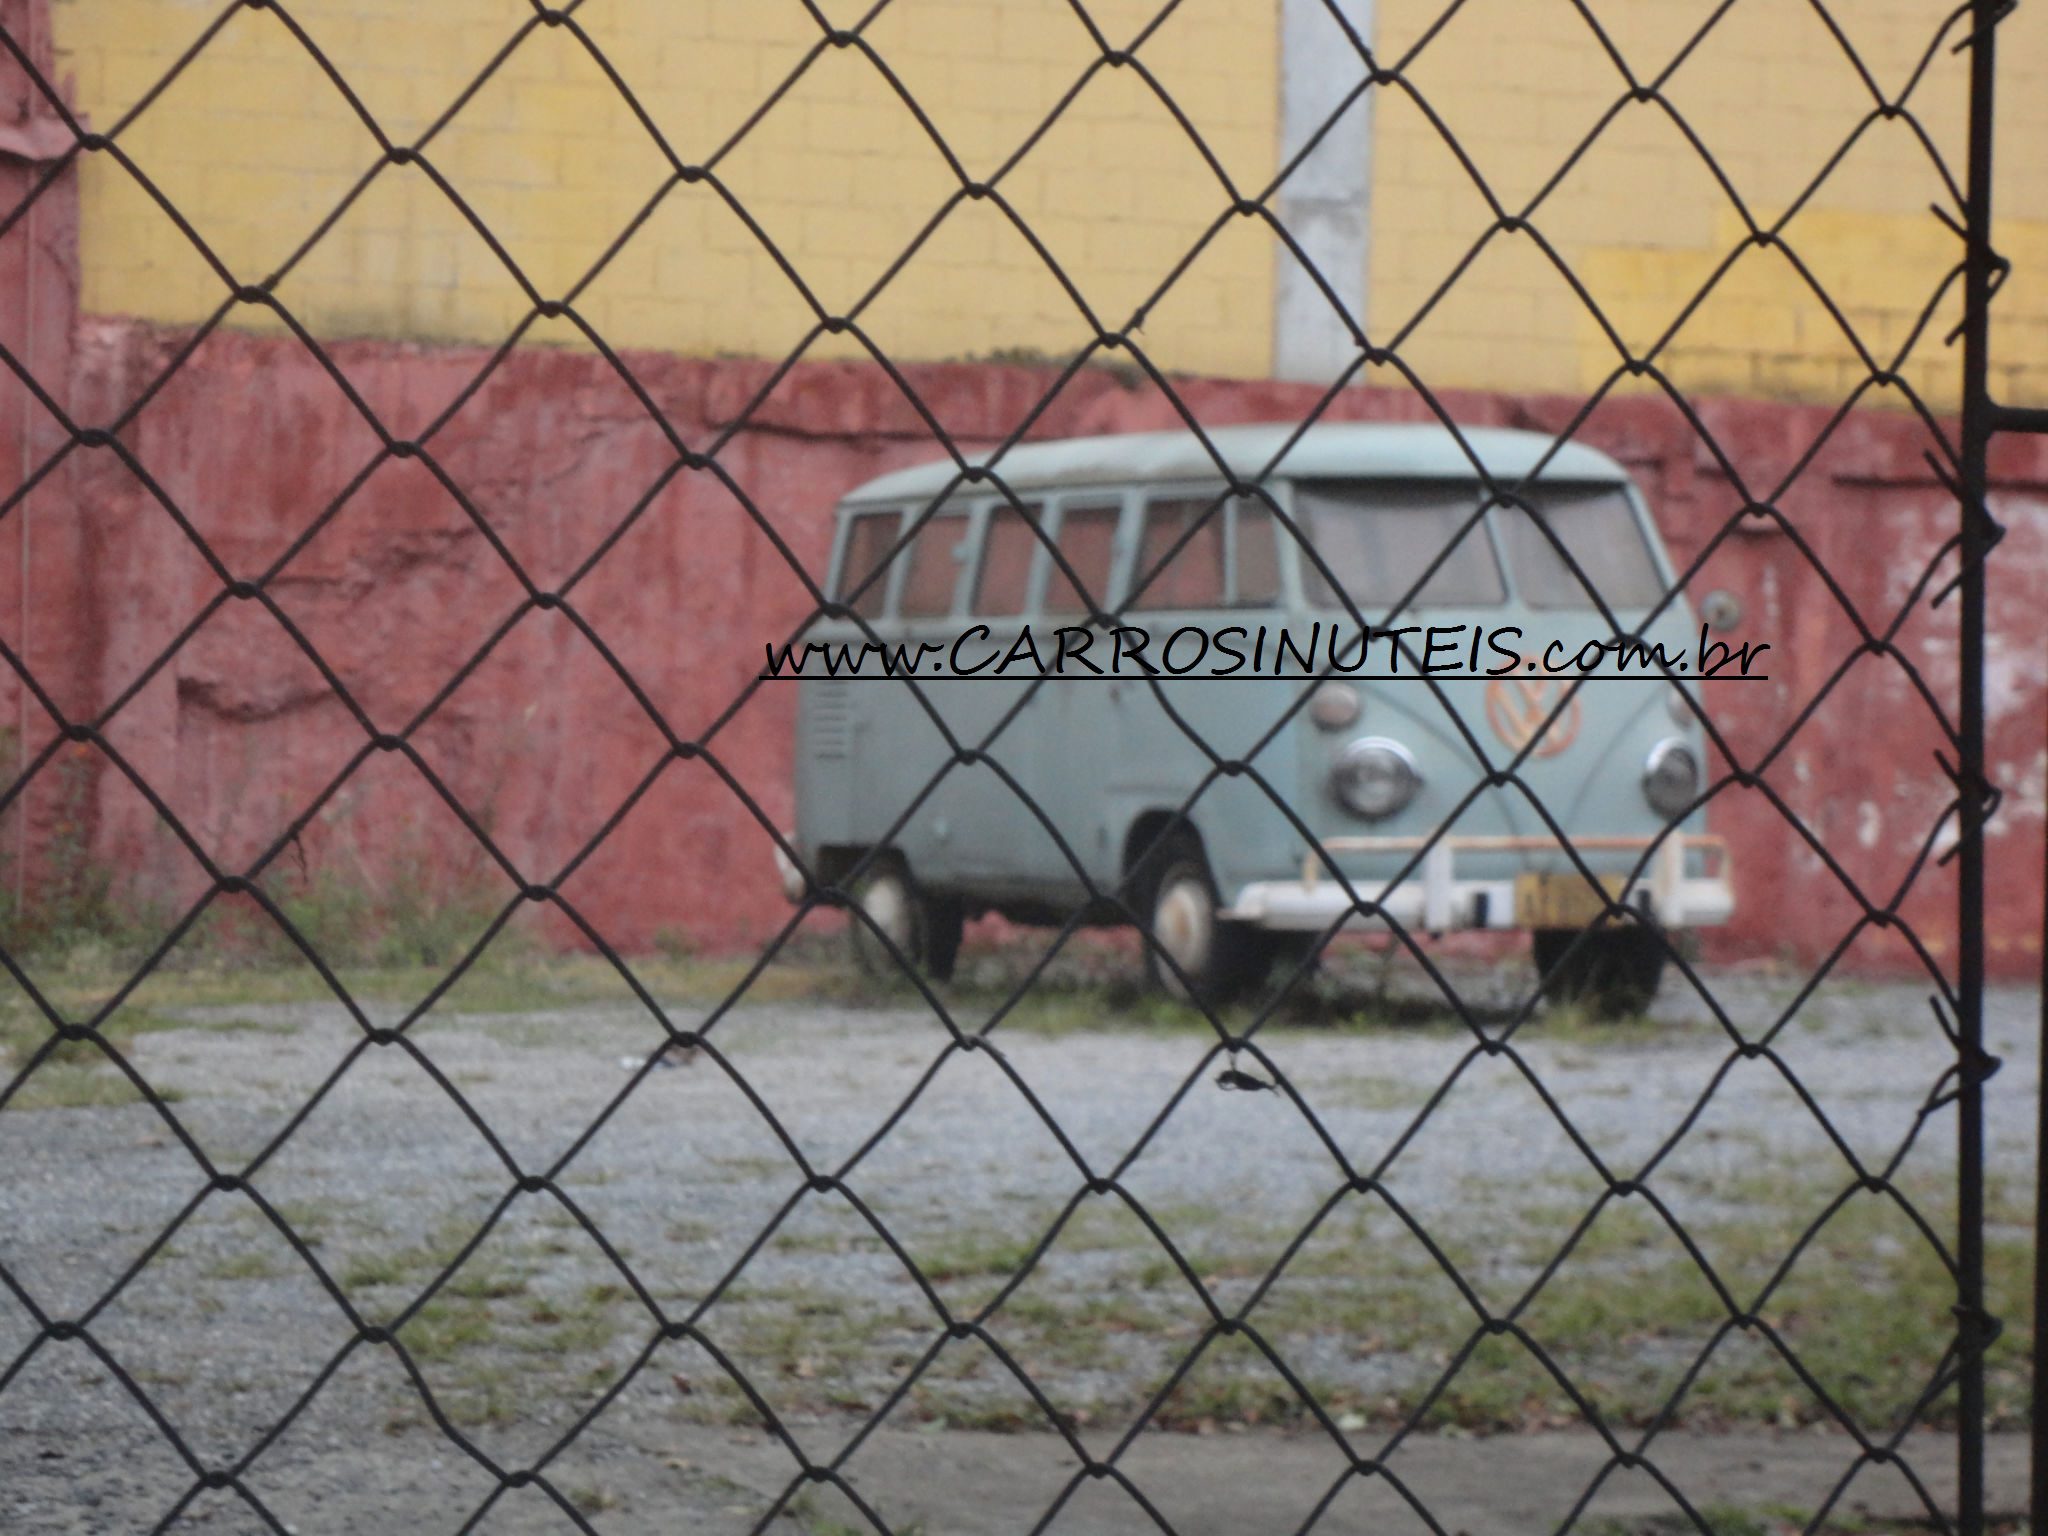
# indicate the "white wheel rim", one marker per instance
pixel 1184 924
pixel 887 905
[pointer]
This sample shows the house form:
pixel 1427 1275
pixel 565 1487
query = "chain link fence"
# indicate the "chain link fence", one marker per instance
pixel 1359 1204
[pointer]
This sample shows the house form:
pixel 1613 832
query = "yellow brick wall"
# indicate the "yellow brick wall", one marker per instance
pixel 1643 223
pixel 255 146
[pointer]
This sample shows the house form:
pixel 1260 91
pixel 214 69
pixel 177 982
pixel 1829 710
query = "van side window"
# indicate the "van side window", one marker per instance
pixel 868 540
pixel 1255 570
pixel 1087 542
pixel 1378 537
pixel 1008 542
pixel 1598 526
pixel 934 567
pixel 1192 575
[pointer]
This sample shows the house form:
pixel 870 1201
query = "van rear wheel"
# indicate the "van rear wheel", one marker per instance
pixel 1613 971
pixel 923 928
pixel 889 904
pixel 1213 960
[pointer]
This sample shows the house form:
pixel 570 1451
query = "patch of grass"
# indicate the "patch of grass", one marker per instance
pixel 497 1349
pixel 481 1280
pixel 443 1327
pixel 247 1265
pixel 1501 1386
pixel 490 1273
pixel 76 910
pixel 1378 1094
pixel 80 1085
pixel 233 1026
pixel 578 1324
pixel 1203 1401
pixel 484 1395
pixel 1078 1315
pixel 820 1513
pixel 1054 1011
pixel 391 946
pixel 1385 1314
pixel 967 1255
pixel 826 1241
pixel 818 1344
pixel 777 1168
pixel 1576 1024
pixel 76 1074
pixel 952 1409
pixel 427 905
pixel 591 1498
pixel 372 1269
pixel 1866 1310
pixel 311 1219
pixel 1112 1331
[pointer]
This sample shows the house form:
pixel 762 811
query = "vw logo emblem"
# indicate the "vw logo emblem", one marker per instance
pixel 1516 708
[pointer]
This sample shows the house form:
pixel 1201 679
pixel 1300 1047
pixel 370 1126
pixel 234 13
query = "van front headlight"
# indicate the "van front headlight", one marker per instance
pixel 1374 777
pixel 1671 777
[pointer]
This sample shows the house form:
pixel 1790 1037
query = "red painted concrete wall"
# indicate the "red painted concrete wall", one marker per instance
pixel 239 731
pixel 405 590
pixel 46 588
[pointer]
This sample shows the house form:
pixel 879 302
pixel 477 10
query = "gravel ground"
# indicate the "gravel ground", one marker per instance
pixel 226 1329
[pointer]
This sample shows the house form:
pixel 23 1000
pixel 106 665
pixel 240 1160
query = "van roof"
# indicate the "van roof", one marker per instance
pixel 1335 450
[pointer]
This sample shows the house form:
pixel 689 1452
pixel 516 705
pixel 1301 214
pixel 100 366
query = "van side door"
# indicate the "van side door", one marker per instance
pixel 1073 738
pixel 1177 583
pixel 996 837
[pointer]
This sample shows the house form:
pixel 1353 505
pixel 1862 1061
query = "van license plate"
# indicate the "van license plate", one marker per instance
pixel 1561 900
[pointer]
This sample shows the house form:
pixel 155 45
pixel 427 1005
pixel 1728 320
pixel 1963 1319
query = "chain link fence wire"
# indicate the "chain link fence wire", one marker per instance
pixel 1238 1049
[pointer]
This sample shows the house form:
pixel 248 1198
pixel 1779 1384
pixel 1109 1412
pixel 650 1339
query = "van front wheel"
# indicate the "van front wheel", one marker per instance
pixel 1614 971
pixel 944 922
pixel 1212 960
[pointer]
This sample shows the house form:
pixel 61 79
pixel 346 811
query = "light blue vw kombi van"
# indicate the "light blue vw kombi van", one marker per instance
pixel 1100 690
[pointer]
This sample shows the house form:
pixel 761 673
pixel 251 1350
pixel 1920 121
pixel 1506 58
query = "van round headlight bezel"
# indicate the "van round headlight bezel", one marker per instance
pixel 1335 706
pixel 1664 792
pixel 1394 792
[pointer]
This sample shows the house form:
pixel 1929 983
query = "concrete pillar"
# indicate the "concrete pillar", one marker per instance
pixel 1326 203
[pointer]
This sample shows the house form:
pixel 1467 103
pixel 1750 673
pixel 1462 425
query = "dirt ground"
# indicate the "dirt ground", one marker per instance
pixel 650 1292
pixel 974 1483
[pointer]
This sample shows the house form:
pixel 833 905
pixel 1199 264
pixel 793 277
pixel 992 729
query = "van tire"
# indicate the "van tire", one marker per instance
pixel 1614 970
pixel 1297 955
pixel 924 927
pixel 944 920
pixel 1220 960
pixel 891 902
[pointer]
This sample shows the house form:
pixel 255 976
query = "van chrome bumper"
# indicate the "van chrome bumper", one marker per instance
pixel 1438 900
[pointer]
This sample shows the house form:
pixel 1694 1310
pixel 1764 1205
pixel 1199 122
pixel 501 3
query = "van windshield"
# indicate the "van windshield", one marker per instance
pixel 1379 536
pixel 1598 526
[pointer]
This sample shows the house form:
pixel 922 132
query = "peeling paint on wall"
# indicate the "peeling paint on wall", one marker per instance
pixel 399 587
